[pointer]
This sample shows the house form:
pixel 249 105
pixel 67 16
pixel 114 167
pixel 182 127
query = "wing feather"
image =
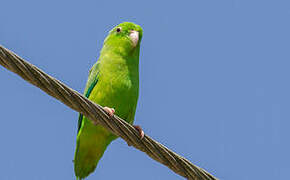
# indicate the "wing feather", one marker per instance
pixel 91 83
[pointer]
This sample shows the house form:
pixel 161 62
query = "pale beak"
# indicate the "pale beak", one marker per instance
pixel 134 36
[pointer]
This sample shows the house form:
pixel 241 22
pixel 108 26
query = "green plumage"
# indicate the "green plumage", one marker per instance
pixel 113 82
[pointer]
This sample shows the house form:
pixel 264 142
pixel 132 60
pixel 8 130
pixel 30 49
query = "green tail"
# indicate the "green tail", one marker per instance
pixel 92 141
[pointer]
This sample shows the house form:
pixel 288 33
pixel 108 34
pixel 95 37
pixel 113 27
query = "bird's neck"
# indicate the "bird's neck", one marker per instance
pixel 120 62
pixel 121 55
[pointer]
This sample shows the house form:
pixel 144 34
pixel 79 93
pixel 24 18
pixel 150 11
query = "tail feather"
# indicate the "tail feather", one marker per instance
pixel 91 146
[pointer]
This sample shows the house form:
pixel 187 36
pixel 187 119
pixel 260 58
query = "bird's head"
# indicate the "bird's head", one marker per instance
pixel 124 37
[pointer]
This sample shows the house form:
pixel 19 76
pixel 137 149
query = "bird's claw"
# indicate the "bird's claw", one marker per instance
pixel 139 129
pixel 141 132
pixel 110 111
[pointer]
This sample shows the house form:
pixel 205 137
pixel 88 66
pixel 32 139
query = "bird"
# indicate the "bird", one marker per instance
pixel 113 83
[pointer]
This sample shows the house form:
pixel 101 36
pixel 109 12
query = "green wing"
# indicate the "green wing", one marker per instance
pixel 91 83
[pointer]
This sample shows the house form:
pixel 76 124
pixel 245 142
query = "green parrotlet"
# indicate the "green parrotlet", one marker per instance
pixel 114 84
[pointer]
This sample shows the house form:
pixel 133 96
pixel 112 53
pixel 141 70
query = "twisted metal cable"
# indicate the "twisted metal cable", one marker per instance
pixel 95 113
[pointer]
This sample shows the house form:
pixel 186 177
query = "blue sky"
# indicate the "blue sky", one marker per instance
pixel 214 86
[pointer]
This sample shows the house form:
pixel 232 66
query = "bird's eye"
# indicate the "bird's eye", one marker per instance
pixel 118 29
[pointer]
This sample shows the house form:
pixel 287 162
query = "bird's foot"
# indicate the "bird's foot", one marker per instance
pixel 141 132
pixel 110 111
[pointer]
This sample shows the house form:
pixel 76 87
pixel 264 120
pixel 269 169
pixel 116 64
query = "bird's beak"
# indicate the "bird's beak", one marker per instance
pixel 134 36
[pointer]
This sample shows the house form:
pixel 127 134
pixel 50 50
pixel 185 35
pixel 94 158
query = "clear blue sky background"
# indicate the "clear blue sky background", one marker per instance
pixel 214 86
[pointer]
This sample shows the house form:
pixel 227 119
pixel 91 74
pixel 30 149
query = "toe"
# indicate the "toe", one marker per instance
pixel 110 111
pixel 141 132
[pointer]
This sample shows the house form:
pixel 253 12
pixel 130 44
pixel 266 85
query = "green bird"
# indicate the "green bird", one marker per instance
pixel 114 84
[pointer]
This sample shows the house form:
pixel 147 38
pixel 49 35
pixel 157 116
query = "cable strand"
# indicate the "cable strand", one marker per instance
pixel 97 115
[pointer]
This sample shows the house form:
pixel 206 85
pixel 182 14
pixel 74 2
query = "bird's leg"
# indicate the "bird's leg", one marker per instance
pixel 110 111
